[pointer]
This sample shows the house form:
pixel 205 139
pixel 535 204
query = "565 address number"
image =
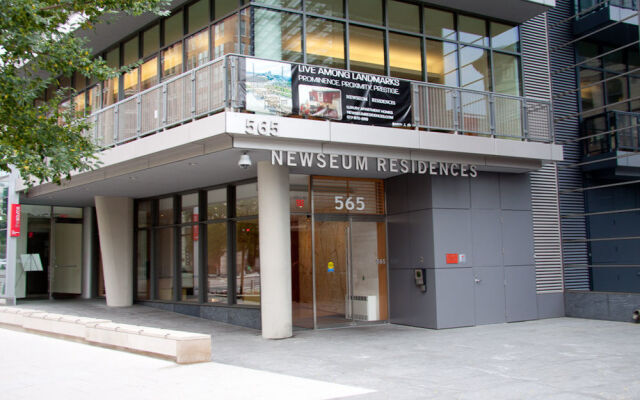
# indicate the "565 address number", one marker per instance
pixel 261 127
pixel 349 203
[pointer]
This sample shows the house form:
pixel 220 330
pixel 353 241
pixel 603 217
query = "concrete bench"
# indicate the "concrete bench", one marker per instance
pixel 181 347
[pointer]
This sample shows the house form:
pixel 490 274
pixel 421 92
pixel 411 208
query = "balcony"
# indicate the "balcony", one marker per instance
pixel 612 143
pixel 615 20
pixel 220 86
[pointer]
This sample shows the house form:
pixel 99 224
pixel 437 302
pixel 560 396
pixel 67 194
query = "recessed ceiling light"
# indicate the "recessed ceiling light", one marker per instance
pixel 193 164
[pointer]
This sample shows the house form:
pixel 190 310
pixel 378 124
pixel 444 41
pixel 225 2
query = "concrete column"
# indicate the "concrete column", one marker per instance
pixel 88 270
pixel 115 227
pixel 275 250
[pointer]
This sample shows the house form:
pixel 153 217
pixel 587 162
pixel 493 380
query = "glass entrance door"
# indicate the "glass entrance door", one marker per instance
pixel 350 270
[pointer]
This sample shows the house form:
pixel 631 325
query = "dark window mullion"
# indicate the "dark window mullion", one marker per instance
pixel 177 271
pixel 231 245
pixel 202 247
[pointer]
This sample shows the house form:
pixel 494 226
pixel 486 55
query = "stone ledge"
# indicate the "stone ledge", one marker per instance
pixel 181 347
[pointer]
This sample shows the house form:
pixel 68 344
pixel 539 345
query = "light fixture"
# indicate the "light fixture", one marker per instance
pixel 245 161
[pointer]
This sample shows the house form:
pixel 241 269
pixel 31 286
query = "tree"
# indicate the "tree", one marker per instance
pixel 42 139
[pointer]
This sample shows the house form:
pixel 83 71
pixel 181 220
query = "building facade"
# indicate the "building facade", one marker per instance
pixel 312 164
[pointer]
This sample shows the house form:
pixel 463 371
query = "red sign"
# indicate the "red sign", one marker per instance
pixel 196 228
pixel 452 258
pixel 15 220
pixel 299 203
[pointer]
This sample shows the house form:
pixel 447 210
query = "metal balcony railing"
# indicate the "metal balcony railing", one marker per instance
pixel 611 131
pixel 215 87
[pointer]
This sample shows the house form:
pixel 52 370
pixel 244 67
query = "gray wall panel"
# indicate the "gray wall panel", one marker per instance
pixel 418 192
pixel 421 251
pixel 521 296
pixel 396 194
pixel 515 193
pixel 408 305
pixel 485 191
pixel 450 192
pixel 486 235
pixel 550 305
pixel 517 237
pixel 489 295
pixel 452 234
pixel 455 297
pixel 398 240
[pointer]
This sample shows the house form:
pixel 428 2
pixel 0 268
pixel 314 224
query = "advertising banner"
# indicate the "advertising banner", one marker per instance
pixel 279 88
pixel 15 220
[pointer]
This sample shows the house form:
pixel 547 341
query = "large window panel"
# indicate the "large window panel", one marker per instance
pixel 403 16
pixel 217 275
pixel 472 30
pixel 587 54
pixel 591 95
pixel 110 91
pixel 130 80
pixel 130 51
pixel 474 68
pixel 325 43
pixel 366 50
pixel 295 4
pixel 225 37
pixel 173 28
pixel 224 7
pixel 172 61
pixel 439 23
pixel 278 35
pixel 405 56
pixel 369 11
pixel 333 8
pixel 505 37
pixel 198 15
pixel 149 74
pixel 247 199
pixel 197 49
pixel 506 74
pixel 164 258
pixel 247 262
pixel 189 205
pixel 617 92
pixel 217 204
pixel 189 237
pixel 442 63
pixel 165 207
pixel 151 40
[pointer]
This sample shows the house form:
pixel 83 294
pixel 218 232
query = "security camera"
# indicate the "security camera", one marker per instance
pixel 245 161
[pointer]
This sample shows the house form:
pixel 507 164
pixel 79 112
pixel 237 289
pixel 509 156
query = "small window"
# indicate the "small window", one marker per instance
pixel 369 11
pixel 173 28
pixel 150 41
pixel 130 49
pixel 403 16
pixel 473 30
pixel 198 15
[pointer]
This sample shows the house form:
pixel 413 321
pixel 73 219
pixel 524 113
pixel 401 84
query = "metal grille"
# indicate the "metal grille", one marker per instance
pixel 151 111
pixel 508 117
pixel 476 112
pixel 127 119
pixel 538 121
pixel 333 195
pixel 105 127
pixel 178 101
pixel 210 88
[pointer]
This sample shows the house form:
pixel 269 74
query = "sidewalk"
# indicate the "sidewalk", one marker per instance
pixel 560 358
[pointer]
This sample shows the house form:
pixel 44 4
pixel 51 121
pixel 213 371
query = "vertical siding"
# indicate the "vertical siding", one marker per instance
pixel 544 183
pixel 575 256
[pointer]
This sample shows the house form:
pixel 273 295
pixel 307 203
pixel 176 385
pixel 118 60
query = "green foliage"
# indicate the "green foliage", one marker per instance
pixel 44 141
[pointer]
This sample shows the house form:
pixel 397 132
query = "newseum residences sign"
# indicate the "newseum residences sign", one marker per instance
pixel 363 163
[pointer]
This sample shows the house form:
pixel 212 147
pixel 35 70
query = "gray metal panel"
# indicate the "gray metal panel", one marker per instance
pixel 550 305
pixel 452 234
pixel 455 297
pixel 396 194
pixel 535 58
pixel 489 295
pixel 448 192
pixel 408 305
pixel 485 191
pixel 418 192
pixel 521 297
pixel 515 193
pixel 421 228
pixel 398 240
pixel 517 238
pixel 486 236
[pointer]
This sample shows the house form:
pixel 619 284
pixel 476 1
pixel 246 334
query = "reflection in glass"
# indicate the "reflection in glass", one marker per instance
pixel 197 49
pixel 299 193
pixel 442 63
pixel 217 204
pixel 247 262
pixel 189 205
pixel 247 199
pixel 173 30
pixel 110 91
pixel 224 37
pixel 143 265
pixel 617 92
pixel 472 30
pixel 403 16
pixel 301 271
pixel 198 15
pixel 149 74
pixel 439 23
pixel 369 11
pixel 130 81
pixel 164 257
pixel 144 213
pixel 79 103
pixel 588 51
pixel 189 236
pixel 506 74
pixel 474 69
pixel 366 50
pixel 172 61
pixel 282 3
pixel 334 8
pixel 165 207
pixel 278 35
pixel 130 50
pixel 224 7
pixel 504 37
pixel 150 40
pixel 405 59
pixel 217 262
pixel 94 98
pixel 325 43
pixel 591 96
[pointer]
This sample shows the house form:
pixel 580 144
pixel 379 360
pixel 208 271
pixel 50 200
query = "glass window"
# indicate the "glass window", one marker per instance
pixel 130 50
pixel 224 36
pixel 278 35
pixel 405 56
pixel 325 43
pixel 173 28
pixel 79 103
pixel 113 58
pixel 591 96
pixel 299 193
pixel 149 74
pixel 247 199
pixel 67 212
pixel 164 257
pixel 442 63
pixel 506 74
pixel 172 61
pixel 282 3
pixel 369 11
pixel 333 8
pixel 198 15
pixel 224 7
pixel 614 62
pixel 110 91
pixel 79 81
pixel 504 37
pixel 217 262
pixel 439 23
pixel 366 50
pixel 472 30
pixel 189 236
pixel 617 92
pixel 165 208
pixel 131 82
pixel 247 262
pixel 150 40
pixel 189 205
pixel 403 16
pixel 587 51
pixel 144 213
pixel 474 68
pixel 217 204
pixel 143 265
pixel 94 99
pixel 198 49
